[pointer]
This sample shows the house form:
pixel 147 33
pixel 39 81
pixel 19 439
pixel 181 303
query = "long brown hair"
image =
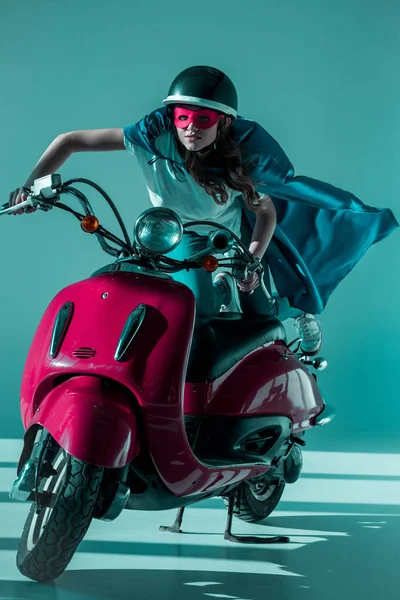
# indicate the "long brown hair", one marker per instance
pixel 227 155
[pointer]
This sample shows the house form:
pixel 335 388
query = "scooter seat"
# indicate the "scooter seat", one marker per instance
pixel 220 342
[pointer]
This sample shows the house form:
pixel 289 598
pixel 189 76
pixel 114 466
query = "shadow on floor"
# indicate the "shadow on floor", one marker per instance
pixel 363 562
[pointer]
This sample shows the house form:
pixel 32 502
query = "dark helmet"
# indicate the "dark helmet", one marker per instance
pixel 204 86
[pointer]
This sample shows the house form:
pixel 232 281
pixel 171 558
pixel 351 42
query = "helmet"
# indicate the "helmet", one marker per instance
pixel 204 86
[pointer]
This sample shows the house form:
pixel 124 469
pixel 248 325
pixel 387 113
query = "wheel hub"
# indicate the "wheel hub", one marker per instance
pixel 261 489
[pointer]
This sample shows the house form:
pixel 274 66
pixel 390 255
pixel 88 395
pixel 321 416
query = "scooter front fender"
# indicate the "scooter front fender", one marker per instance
pixel 91 419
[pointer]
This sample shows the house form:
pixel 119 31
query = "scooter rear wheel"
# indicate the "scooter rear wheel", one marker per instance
pixel 51 535
pixel 257 500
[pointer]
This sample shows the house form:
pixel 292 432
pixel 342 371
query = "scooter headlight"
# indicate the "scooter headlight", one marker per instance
pixel 158 230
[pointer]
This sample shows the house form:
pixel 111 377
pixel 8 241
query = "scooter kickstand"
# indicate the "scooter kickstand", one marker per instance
pixel 177 524
pixel 247 539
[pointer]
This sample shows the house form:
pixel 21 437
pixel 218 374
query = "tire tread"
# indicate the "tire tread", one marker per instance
pixel 246 510
pixel 67 525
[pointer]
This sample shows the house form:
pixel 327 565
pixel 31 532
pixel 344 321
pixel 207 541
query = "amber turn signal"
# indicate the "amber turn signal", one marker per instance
pixel 209 264
pixel 90 224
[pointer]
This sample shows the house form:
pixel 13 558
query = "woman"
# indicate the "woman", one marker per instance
pixel 205 162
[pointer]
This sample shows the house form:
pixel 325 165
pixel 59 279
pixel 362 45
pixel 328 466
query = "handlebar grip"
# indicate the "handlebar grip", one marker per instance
pixel 6 209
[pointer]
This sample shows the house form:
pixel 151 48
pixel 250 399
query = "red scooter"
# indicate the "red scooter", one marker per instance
pixel 130 402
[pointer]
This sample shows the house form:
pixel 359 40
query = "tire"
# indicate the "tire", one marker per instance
pixel 257 500
pixel 51 537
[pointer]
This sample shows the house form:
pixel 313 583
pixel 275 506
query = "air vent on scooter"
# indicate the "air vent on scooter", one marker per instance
pixel 84 352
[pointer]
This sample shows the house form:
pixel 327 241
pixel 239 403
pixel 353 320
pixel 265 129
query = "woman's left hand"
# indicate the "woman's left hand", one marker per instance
pixel 251 283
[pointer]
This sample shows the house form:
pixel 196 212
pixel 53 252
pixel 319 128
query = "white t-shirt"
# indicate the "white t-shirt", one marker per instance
pixel 183 194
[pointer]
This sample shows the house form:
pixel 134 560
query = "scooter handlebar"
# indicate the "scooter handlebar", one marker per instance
pixel 6 209
pixel 42 192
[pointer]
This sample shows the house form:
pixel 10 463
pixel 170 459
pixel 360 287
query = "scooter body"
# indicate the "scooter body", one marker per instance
pixel 92 400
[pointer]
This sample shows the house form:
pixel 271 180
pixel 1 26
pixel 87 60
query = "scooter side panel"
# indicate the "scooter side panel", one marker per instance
pixel 271 380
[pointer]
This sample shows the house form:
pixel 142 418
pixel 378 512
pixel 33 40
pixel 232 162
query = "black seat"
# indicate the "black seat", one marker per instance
pixel 220 342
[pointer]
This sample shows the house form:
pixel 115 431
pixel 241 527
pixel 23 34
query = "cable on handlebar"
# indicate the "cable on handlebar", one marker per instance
pixel 106 247
pixel 102 233
pixel 108 200
pixel 81 197
pixel 70 210
pixel 112 238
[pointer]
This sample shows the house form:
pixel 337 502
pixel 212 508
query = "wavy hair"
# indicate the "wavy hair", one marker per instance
pixel 225 154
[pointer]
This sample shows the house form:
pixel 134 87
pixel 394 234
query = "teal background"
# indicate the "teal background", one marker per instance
pixel 321 77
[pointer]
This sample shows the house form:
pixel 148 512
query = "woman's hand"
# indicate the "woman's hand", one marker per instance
pixel 251 283
pixel 16 197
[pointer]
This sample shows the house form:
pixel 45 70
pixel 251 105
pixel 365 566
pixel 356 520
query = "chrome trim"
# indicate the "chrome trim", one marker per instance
pixel 25 482
pixel 131 327
pixel 326 416
pixel 228 240
pixel 61 325
pixel 319 363
pixel 155 210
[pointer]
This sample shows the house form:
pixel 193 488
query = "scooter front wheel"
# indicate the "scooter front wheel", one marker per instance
pixel 257 500
pixel 52 534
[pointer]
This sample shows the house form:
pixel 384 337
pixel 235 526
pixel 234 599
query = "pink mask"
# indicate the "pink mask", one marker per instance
pixel 203 119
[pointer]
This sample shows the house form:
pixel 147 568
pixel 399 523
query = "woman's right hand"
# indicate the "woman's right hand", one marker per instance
pixel 16 197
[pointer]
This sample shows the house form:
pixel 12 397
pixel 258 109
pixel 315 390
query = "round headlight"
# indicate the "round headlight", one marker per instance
pixel 158 230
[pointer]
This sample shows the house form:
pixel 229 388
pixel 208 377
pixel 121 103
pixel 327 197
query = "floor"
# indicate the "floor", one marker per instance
pixel 343 518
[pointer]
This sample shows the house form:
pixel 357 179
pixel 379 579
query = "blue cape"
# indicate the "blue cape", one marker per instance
pixel 322 231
